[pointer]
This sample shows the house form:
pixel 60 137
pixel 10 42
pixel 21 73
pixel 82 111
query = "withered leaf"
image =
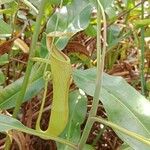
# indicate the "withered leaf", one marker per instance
pixel 6 46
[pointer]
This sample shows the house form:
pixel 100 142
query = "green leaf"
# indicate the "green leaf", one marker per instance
pixel 6 11
pixel 72 18
pixel 7 123
pixel 113 33
pixel 4 59
pixel 78 107
pixel 142 22
pixel 124 105
pixel 10 9
pixel 58 2
pixel 9 94
pixel 125 147
pixel 108 7
pixel 4 27
pixel 88 147
pixel 115 41
pixel 5 1
pixel 34 5
pixel 91 30
pixel 130 4
pixel 43 49
pixel 2 77
pixel 77 114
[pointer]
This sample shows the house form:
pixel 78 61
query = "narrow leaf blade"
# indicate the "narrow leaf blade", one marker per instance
pixel 124 105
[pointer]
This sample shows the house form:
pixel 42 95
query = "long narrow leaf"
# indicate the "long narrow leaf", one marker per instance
pixel 124 105
pixel 8 123
pixel 9 95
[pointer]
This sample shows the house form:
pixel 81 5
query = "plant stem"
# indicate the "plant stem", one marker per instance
pixel 100 67
pixel 123 130
pixel 29 67
pixel 30 62
pixel 142 53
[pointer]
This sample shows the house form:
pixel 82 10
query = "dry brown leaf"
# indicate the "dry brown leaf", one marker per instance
pixel 22 45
